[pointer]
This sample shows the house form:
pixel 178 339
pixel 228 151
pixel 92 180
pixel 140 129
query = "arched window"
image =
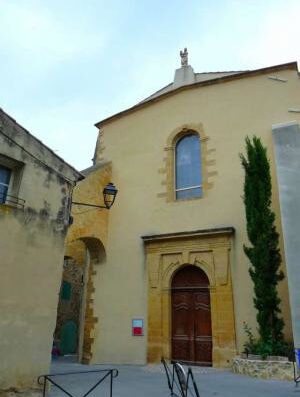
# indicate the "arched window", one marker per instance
pixel 188 167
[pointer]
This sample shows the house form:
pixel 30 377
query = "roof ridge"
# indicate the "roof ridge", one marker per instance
pixel 156 92
pixel 225 71
pixel 226 77
pixel 39 141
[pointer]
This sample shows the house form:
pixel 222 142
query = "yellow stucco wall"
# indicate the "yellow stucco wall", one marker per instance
pixel 138 146
pixel 90 221
pixel 31 254
pixel 31 271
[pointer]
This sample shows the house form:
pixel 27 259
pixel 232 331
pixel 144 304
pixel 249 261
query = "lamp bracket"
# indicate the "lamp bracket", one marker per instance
pixel 89 205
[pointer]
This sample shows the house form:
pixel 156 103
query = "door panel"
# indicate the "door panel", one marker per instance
pixel 68 338
pixel 191 317
pixel 202 323
pixel 181 325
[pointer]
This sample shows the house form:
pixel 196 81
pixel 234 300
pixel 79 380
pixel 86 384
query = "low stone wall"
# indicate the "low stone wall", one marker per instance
pixel 266 369
pixel 21 393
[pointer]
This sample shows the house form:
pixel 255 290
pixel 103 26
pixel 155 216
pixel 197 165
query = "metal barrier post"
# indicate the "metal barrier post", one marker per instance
pixel 44 387
pixel 111 383
pixel 112 373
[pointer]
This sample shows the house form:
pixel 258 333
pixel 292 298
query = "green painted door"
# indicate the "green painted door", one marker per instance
pixel 68 338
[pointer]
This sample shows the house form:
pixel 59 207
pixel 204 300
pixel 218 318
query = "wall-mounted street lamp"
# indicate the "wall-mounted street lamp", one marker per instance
pixel 109 195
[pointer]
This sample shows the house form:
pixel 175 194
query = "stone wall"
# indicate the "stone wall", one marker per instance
pixel 265 369
pixel 32 231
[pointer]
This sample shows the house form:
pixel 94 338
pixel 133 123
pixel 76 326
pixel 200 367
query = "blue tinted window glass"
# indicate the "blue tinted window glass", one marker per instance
pixel 3 193
pixel 188 167
pixel 4 175
pixel 4 182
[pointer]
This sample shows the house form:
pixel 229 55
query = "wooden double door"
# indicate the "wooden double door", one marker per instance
pixel 191 317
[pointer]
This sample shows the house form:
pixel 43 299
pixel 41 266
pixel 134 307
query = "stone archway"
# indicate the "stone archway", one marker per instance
pixel 95 254
pixel 68 309
pixel 208 250
pixel 89 252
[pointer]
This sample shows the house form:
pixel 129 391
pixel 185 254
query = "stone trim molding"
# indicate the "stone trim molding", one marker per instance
pixel 193 233
pixel 89 318
pixel 89 263
pixel 217 80
pixel 97 255
pixel 207 159
pixel 165 255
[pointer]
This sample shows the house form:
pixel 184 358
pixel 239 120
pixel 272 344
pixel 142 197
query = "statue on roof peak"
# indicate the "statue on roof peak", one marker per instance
pixel 184 57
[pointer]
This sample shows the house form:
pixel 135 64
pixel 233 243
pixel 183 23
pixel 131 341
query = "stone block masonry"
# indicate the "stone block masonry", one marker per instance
pixel 263 368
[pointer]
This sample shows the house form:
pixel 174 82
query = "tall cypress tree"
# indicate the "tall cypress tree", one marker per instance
pixel 263 253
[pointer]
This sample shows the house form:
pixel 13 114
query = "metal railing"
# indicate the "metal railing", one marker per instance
pixel 108 373
pixel 296 373
pixel 184 383
pixel 12 200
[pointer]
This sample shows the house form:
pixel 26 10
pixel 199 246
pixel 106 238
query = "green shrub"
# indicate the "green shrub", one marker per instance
pixel 266 348
pixel 263 251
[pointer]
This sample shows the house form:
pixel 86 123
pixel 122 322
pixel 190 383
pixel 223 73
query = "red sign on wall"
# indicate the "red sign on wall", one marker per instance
pixel 137 327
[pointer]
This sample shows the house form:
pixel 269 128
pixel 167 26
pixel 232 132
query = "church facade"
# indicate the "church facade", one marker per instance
pixel 168 257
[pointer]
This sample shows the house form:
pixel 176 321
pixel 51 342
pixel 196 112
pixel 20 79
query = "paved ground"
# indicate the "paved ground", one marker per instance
pixel 150 381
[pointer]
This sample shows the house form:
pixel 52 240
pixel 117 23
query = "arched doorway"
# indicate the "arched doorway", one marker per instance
pixel 68 310
pixel 191 317
pixel 75 314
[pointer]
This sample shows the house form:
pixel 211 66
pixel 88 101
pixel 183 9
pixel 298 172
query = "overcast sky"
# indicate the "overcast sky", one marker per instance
pixel 67 64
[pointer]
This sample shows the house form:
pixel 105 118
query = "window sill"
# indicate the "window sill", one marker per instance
pixel 13 202
pixel 11 207
pixel 179 200
pixel 7 208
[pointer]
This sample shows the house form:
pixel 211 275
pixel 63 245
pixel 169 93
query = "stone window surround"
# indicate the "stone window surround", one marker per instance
pixel 169 170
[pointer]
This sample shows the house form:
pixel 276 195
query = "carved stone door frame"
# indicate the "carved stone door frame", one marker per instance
pixel 210 251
